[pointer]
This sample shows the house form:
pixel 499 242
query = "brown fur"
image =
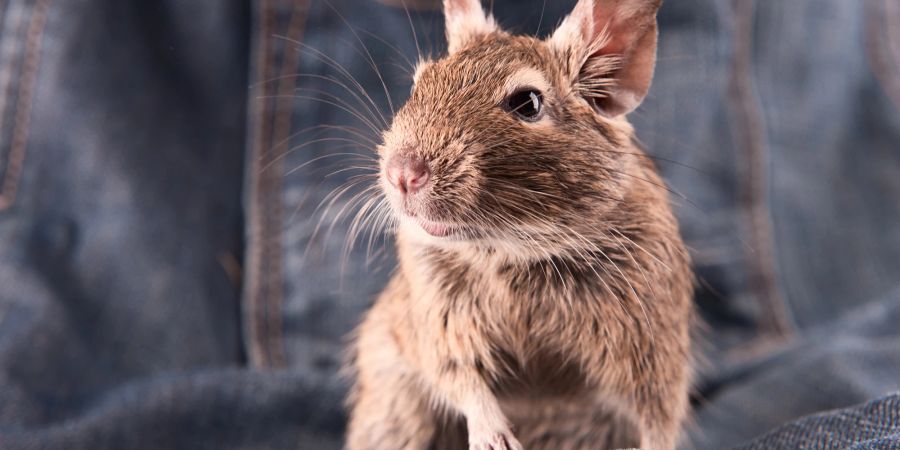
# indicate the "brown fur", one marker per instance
pixel 560 309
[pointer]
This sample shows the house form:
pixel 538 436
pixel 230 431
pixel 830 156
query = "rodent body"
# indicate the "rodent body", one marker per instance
pixel 543 298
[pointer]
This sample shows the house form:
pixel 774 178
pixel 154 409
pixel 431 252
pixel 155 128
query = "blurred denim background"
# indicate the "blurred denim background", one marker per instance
pixel 162 283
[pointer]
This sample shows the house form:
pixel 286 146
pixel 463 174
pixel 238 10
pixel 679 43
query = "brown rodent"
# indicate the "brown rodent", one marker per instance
pixel 543 298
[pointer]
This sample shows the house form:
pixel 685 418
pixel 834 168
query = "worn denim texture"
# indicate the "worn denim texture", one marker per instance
pixel 164 282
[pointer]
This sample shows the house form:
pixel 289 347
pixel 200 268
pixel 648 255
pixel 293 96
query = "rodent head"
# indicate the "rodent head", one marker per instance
pixel 512 140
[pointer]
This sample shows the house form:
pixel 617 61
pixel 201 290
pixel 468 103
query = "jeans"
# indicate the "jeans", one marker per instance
pixel 176 272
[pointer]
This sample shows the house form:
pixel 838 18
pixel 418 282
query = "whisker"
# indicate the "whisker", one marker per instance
pixel 412 28
pixel 659 185
pixel 368 116
pixel 351 168
pixel 319 158
pixel 371 60
pixel 327 102
pixel 341 70
pixel 406 59
pixel 283 155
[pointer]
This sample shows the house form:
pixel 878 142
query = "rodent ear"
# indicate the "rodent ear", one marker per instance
pixel 466 20
pixel 609 49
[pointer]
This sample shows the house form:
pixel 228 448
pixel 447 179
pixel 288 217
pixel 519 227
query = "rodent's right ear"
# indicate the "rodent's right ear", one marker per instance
pixel 609 50
pixel 466 20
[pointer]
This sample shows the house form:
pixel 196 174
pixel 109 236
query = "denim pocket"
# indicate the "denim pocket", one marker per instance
pixel 21 31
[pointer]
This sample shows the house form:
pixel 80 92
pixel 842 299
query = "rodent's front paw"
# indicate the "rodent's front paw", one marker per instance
pixel 502 440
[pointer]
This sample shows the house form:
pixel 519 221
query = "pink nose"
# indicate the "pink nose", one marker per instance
pixel 407 173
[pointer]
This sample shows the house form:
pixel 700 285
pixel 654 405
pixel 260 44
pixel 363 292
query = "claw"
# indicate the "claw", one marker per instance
pixel 496 441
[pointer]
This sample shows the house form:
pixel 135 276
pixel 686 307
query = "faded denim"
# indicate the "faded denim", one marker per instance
pixel 163 283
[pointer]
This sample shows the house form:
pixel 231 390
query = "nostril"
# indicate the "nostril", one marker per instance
pixel 407 174
pixel 394 172
pixel 417 175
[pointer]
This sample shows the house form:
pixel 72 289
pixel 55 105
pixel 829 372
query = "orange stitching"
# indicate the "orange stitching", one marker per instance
pixel 284 111
pixel 257 215
pixel 22 118
pixel 264 274
pixel 6 74
pixel 761 262
pixel 9 72
pixel 892 25
pixel 883 58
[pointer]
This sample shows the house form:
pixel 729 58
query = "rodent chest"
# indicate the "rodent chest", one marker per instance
pixel 518 302
pixel 540 372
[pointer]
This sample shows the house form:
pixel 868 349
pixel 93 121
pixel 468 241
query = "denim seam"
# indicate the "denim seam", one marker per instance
pixel 892 28
pixel 881 24
pixel 6 71
pixel 281 135
pixel 22 117
pixel 273 121
pixel 775 320
pixel 10 75
pixel 257 245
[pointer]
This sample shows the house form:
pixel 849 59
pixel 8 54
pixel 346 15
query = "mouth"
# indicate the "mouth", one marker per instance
pixel 436 228
pixel 439 229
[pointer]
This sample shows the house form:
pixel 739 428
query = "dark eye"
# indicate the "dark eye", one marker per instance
pixel 527 104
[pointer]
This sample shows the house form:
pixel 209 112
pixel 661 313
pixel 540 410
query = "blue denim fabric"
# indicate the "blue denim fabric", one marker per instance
pixel 165 281
pixel 870 426
pixel 834 365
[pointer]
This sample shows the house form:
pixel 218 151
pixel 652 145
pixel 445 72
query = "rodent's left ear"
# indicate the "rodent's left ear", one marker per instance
pixel 466 20
pixel 609 47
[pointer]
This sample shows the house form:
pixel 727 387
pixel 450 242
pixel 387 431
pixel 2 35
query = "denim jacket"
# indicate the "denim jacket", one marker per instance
pixel 177 194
